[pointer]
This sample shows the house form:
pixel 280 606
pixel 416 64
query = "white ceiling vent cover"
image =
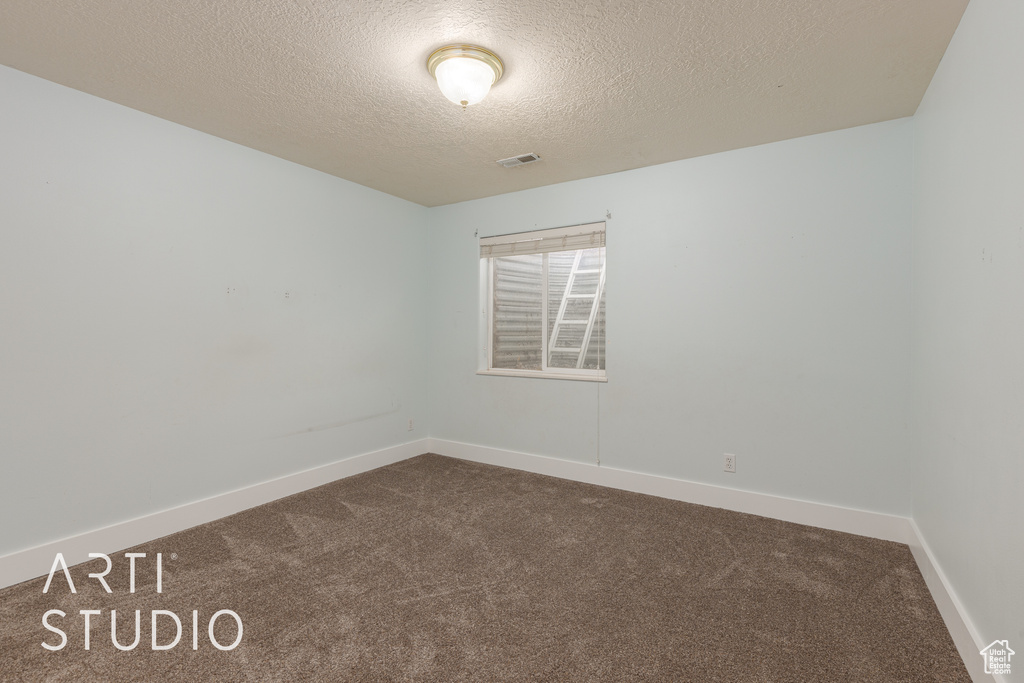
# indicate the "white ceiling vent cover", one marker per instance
pixel 519 160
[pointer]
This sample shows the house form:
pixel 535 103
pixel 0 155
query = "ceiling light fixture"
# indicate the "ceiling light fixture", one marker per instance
pixel 465 73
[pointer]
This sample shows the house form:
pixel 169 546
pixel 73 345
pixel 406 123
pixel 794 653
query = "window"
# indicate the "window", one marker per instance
pixel 545 302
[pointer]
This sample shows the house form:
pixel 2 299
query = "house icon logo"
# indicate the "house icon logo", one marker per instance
pixel 997 657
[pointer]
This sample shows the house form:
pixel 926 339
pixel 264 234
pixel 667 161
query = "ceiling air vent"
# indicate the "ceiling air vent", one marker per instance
pixel 519 160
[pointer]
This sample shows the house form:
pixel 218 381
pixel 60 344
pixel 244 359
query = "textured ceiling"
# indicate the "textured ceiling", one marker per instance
pixel 593 86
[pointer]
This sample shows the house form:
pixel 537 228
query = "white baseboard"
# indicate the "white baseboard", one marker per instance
pixel 33 562
pixel 965 636
pixel 860 522
pixel 30 563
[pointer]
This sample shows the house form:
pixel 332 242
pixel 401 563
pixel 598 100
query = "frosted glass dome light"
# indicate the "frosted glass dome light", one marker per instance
pixel 465 73
pixel 464 80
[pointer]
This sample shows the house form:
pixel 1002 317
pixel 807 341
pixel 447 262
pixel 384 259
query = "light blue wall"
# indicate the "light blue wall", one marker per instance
pixel 758 304
pixel 761 302
pixel 969 318
pixel 149 353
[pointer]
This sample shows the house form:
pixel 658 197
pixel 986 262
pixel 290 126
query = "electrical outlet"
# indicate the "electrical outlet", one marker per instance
pixel 410 424
pixel 730 462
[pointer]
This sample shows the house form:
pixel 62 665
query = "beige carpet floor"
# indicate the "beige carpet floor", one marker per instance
pixel 436 569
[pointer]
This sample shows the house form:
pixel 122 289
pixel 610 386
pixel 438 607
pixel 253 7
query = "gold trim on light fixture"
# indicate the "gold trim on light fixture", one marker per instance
pixel 473 51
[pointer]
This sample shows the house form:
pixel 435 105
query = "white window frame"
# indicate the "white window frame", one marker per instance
pixel 572 236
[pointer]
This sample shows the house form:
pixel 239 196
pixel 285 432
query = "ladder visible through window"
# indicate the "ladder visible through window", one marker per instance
pixel 545 302
pixel 584 286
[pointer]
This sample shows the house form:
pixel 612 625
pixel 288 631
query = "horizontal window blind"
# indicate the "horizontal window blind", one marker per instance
pixel 586 236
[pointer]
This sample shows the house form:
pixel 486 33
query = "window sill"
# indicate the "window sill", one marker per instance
pixel 544 375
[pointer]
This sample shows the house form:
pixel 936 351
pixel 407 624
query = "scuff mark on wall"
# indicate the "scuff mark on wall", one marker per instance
pixel 341 423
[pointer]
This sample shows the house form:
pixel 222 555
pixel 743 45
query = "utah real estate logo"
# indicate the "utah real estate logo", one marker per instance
pixel 997 657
